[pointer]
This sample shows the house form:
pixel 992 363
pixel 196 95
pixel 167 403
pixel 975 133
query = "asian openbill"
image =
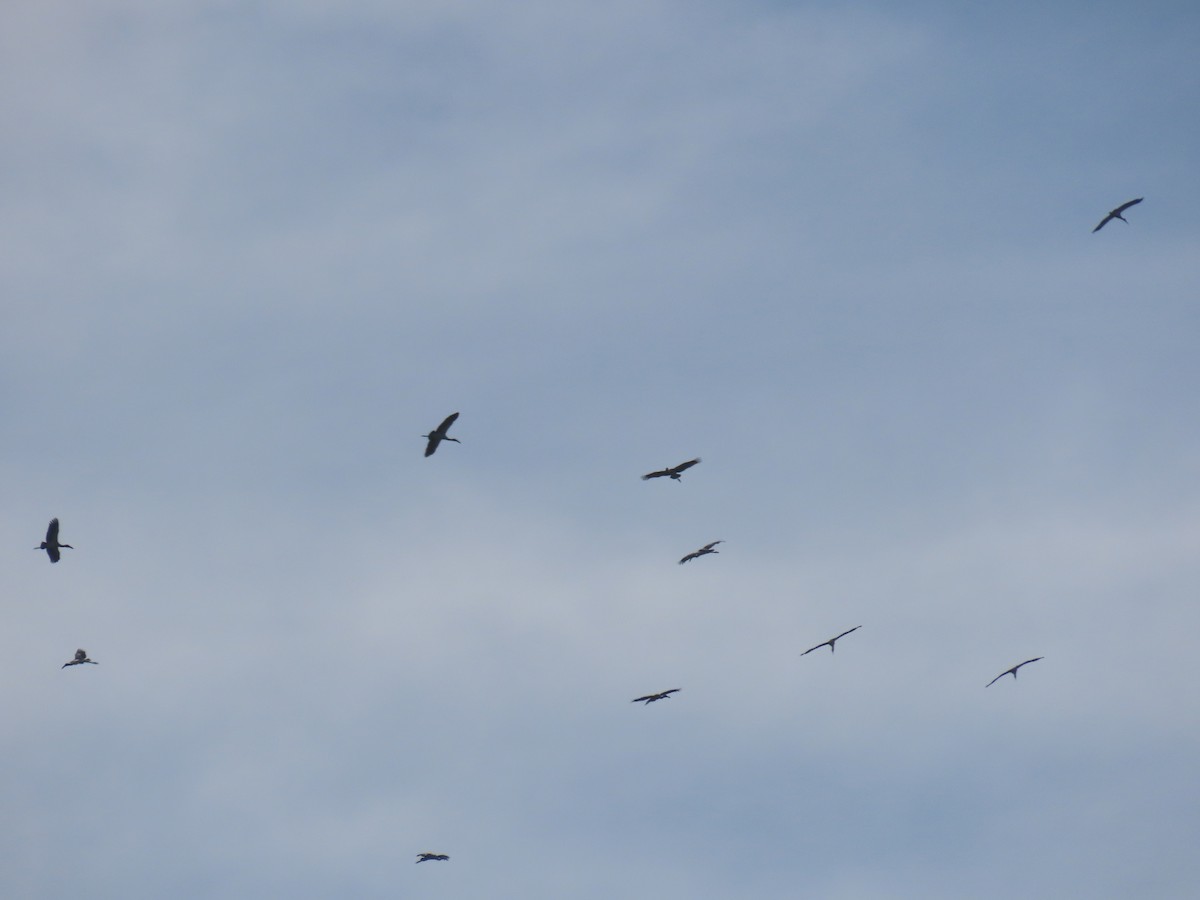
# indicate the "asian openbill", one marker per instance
pixel 650 698
pixel 706 549
pixel 81 657
pixel 51 544
pixel 422 857
pixel 1116 213
pixel 673 472
pixel 829 643
pixel 439 434
pixel 1013 671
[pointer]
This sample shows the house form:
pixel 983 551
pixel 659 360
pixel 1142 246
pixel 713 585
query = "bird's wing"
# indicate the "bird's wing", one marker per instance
pixel 1103 222
pixel 713 544
pixel 81 655
pixel 684 466
pixel 447 422
pixel 432 445
pixel 818 647
pixel 1127 204
pixel 994 680
pixel 1028 661
pixel 52 552
pixel 844 633
pixel 647 697
pixel 689 556
pixel 671 691
pixel 659 474
pixel 52 532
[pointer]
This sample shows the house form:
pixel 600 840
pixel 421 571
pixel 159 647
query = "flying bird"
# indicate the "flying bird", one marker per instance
pixel 1013 671
pixel 1116 213
pixel 422 857
pixel 673 472
pixel 650 698
pixel 51 544
pixel 81 657
pixel 706 549
pixel 439 434
pixel 829 643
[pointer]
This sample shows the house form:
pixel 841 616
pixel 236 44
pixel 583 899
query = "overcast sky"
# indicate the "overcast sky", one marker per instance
pixel 252 251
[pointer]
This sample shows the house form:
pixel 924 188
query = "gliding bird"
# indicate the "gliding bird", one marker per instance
pixel 650 698
pixel 81 657
pixel 672 472
pixel 423 857
pixel 439 434
pixel 1116 213
pixel 51 544
pixel 829 643
pixel 703 551
pixel 1013 671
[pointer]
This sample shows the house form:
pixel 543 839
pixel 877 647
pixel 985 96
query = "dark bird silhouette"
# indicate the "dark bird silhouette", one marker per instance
pixel 422 857
pixel 439 434
pixel 81 657
pixel 706 549
pixel 1116 213
pixel 650 698
pixel 673 472
pixel 1013 671
pixel 51 544
pixel 829 643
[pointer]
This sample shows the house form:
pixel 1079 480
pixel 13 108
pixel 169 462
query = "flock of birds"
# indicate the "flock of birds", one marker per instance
pixel 675 473
pixel 54 547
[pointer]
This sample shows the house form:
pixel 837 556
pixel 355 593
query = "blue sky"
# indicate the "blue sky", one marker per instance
pixel 842 253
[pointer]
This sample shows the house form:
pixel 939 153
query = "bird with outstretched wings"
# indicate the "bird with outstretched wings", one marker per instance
pixel 650 698
pixel 51 544
pixel 81 657
pixel 439 434
pixel 829 643
pixel 703 551
pixel 1013 670
pixel 673 472
pixel 1116 213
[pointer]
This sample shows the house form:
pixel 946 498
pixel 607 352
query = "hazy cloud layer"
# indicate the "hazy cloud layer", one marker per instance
pixel 254 251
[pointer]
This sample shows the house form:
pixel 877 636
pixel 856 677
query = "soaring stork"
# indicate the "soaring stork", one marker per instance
pixel 423 857
pixel 439 434
pixel 673 472
pixel 81 657
pixel 1013 671
pixel 829 643
pixel 1116 213
pixel 650 698
pixel 706 549
pixel 51 544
